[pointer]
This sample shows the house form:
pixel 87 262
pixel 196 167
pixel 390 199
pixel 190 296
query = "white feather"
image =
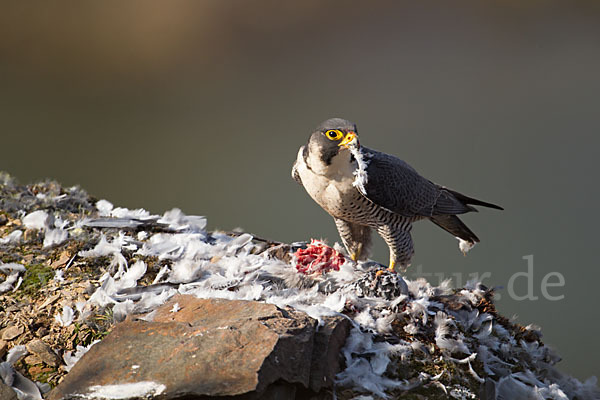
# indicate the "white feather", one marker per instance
pixel 104 207
pixel 360 173
pixel 140 213
pixel 12 238
pixel 144 389
pixel 9 282
pixel 71 358
pixel 464 245
pixel 177 220
pixel 66 317
pixel 54 237
pixel 12 267
pixel 37 220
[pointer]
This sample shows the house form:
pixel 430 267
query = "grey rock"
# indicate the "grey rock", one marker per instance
pixel 6 393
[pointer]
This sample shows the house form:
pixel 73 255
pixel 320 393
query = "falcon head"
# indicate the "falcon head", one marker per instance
pixel 331 137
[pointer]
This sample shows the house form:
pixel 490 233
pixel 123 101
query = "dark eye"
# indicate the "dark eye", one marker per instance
pixel 334 134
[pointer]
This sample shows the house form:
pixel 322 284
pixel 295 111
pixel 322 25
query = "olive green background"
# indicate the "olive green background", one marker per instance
pixel 203 106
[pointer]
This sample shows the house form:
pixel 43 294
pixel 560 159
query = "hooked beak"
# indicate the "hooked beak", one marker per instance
pixel 349 139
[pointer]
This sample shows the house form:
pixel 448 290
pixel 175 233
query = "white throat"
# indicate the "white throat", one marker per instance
pixel 341 165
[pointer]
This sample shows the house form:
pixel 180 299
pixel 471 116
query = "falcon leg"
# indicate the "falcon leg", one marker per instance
pixel 400 243
pixel 356 239
pixel 355 256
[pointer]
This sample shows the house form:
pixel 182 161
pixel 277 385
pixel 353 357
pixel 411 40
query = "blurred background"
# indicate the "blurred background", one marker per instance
pixel 203 106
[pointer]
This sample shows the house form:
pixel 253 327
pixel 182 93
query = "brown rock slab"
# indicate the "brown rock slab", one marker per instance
pixel 3 348
pixel 45 353
pixel 12 332
pixel 326 360
pixel 49 301
pixel 64 258
pixel 32 360
pixel 212 348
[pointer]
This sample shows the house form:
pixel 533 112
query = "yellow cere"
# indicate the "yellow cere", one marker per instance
pixel 334 134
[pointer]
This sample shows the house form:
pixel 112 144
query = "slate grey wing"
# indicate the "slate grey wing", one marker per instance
pixel 396 186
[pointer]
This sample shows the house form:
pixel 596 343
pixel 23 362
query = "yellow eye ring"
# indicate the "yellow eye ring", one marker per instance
pixel 334 134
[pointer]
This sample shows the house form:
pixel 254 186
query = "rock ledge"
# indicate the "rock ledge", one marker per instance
pixel 213 348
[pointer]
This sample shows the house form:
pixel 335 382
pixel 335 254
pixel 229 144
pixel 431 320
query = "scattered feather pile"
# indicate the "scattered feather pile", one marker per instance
pixel 408 337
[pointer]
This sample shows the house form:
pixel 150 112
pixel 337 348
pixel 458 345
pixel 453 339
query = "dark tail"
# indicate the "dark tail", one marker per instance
pixel 469 200
pixel 453 225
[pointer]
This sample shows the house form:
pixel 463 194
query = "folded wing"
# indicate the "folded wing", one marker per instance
pixel 396 186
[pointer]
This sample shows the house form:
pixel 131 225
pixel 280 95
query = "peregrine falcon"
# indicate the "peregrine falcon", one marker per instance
pixel 364 189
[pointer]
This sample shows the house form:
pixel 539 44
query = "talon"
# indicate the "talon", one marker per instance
pixel 392 266
pixel 356 255
pixel 379 273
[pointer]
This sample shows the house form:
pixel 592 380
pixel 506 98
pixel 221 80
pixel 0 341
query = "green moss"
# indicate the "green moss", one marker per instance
pixel 36 277
pixel 9 258
pixel 85 334
pixel 99 325
pixel 44 377
pixel 96 335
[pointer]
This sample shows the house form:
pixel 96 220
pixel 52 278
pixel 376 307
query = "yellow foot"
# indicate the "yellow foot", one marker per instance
pixel 390 269
pixel 356 255
pixel 392 266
